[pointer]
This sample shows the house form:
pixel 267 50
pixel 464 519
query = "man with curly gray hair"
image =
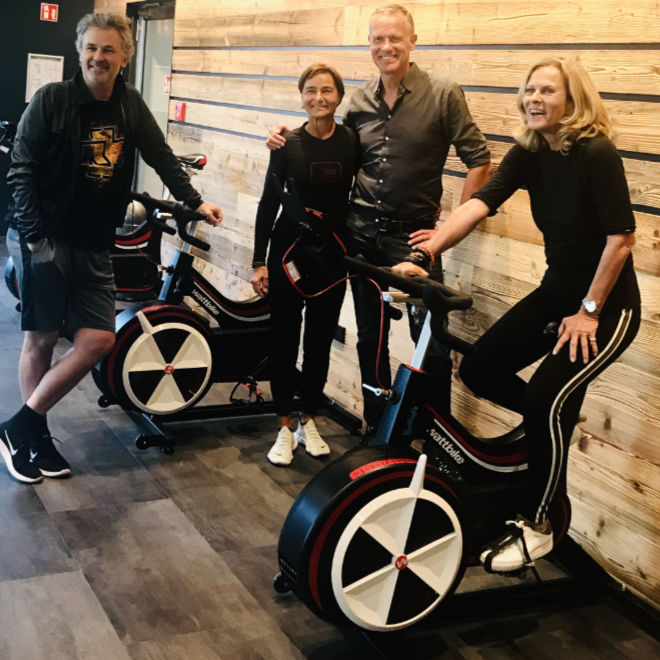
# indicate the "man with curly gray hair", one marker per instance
pixel 107 21
pixel 70 177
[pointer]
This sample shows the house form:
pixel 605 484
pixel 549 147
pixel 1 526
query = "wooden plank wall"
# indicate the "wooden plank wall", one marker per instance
pixel 118 6
pixel 235 65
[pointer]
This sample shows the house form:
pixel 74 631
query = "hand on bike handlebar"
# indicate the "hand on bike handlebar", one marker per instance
pixel 260 280
pixel 211 212
pixel 406 269
pixel 275 139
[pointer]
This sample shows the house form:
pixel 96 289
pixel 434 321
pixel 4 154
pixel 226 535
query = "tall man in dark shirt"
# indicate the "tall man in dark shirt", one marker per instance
pixel 406 121
pixel 70 176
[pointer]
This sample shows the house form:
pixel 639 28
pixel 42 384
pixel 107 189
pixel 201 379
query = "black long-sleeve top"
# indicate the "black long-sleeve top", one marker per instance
pixel 323 171
pixel 577 200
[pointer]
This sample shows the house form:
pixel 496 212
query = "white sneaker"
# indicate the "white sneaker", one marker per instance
pixel 508 553
pixel 281 453
pixel 307 434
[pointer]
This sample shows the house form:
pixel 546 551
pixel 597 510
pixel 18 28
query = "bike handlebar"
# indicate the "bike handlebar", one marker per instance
pixel 447 298
pixel 438 298
pixel 181 215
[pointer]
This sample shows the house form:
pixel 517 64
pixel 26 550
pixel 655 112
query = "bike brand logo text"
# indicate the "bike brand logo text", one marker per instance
pixel 205 302
pixel 447 445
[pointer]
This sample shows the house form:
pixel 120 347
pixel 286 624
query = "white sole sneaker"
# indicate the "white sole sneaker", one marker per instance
pixel 281 453
pixel 307 435
pixel 507 554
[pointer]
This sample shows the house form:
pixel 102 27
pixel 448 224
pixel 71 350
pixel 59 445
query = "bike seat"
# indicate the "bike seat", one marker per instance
pixel 196 161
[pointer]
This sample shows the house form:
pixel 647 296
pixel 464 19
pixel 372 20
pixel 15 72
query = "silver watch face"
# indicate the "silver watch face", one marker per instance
pixel 589 305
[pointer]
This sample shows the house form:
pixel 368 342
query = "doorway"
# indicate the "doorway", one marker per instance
pixel 153 27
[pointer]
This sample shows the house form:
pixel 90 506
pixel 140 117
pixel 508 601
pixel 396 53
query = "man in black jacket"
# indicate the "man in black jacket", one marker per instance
pixel 71 172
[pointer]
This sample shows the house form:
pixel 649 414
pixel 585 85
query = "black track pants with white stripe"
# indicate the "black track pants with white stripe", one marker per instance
pixel 550 402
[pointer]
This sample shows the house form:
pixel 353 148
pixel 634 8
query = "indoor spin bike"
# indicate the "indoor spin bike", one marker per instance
pixel 167 354
pixel 382 536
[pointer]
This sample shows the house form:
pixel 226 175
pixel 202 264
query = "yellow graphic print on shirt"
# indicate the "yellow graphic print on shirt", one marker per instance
pixel 102 153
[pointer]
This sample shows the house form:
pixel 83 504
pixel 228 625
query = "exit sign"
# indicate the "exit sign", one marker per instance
pixel 49 12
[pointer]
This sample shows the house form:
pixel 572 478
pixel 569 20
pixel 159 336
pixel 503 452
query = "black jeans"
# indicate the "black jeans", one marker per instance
pixel 321 317
pixel 550 402
pixel 386 249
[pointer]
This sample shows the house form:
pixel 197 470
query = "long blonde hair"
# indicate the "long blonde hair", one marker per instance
pixel 586 116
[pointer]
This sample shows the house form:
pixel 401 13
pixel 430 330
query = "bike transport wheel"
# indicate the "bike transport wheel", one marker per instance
pixel 162 361
pixel 381 540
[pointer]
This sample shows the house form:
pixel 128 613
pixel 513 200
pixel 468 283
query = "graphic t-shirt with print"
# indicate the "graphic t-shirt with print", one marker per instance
pixel 100 184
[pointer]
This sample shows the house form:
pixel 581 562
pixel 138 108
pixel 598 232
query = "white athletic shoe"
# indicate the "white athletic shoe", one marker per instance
pixel 308 435
pixel 281 453
pixel 521 546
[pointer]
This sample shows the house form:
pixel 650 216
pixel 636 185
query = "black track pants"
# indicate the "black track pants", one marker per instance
pixel 550 402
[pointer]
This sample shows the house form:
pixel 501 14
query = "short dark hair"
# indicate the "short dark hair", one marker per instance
pixel 108 21
pixel 314 69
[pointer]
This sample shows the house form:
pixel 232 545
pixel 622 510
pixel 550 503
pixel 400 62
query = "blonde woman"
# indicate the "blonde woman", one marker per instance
pixel 566 160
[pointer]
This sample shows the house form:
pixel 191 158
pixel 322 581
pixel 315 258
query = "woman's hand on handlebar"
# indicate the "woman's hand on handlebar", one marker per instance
pixel 260 280
pixel 406 269
pixel 275 139
pixel 578 330
pixel 212 213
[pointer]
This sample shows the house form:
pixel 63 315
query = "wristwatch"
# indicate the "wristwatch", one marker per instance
pixel 590 307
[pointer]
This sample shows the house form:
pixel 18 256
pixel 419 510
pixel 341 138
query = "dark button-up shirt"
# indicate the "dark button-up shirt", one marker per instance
pixel 404 148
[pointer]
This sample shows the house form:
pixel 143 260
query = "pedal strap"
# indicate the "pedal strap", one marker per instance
pixel 515 533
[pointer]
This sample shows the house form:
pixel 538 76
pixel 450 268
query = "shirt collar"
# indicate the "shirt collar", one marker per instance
pixel 407 84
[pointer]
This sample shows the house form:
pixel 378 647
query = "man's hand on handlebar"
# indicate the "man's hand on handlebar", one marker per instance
pixel 406 269
pixel 212 213
pixel 260 280
pixel 275 139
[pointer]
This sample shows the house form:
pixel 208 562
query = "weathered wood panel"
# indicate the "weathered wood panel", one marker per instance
pixel 118 6
pixel 637 122
pixel 310 23
pixel 615 71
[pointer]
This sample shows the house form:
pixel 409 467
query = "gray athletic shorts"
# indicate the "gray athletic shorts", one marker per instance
pixel 64 287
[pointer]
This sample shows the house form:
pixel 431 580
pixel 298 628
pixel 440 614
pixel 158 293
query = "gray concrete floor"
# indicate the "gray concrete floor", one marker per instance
pixel 145 556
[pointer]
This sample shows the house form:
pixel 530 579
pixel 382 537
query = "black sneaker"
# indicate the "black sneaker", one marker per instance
pixel 51 463
pixel 15 450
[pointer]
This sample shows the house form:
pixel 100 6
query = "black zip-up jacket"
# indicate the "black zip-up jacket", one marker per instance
pixel 43 171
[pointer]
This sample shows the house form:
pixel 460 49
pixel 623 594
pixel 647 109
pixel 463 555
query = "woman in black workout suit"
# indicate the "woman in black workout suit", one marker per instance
pixel 565 159
pixel 321 156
